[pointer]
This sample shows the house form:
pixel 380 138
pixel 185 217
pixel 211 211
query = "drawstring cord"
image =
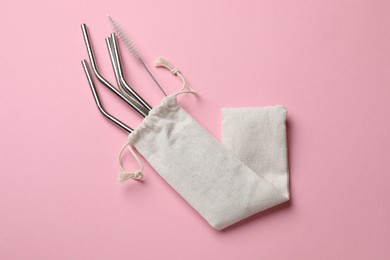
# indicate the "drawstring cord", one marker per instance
pixel 161 62
pixel 125 175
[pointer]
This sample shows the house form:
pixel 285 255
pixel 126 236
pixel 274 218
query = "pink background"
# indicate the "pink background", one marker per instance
pixel 328 62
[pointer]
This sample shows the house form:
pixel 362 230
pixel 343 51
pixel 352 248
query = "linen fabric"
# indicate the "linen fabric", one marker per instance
pixel 226 182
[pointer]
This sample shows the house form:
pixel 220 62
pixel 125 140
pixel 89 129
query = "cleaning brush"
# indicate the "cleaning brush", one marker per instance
pixel 123 36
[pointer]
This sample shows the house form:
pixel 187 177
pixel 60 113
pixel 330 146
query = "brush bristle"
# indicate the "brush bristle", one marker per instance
pixel 123 36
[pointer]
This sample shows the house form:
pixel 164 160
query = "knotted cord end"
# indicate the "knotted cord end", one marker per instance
pixel 124 175
pixel 162 62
